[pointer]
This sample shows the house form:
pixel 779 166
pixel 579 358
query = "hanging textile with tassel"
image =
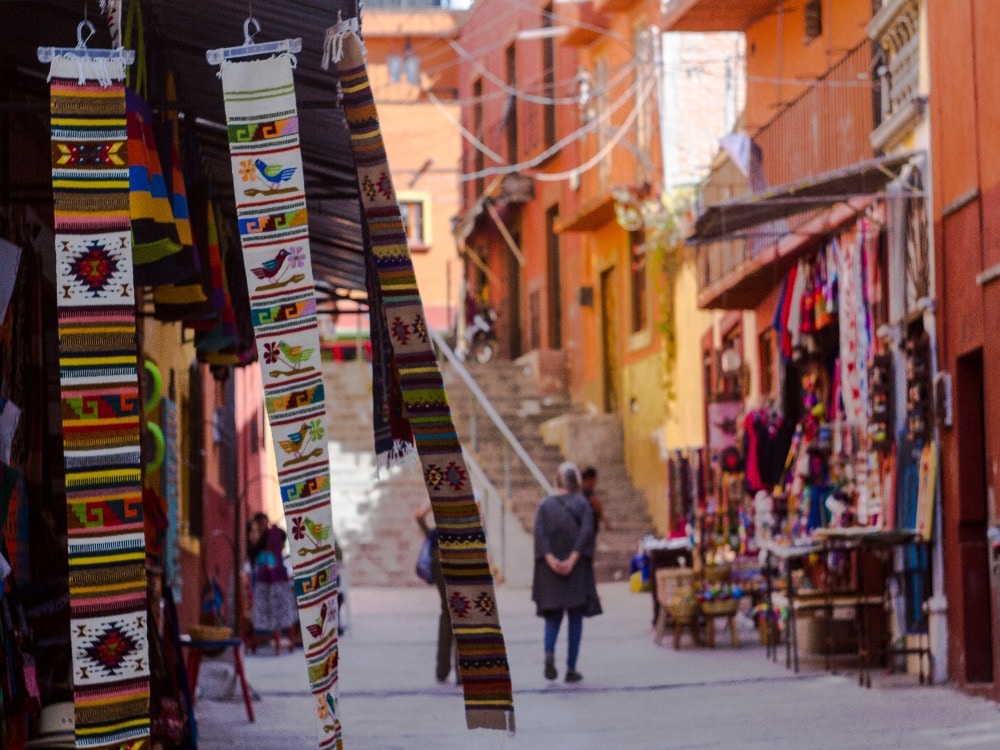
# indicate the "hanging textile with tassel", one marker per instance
pixel 100 403
pixel 482 654
pixel 271 213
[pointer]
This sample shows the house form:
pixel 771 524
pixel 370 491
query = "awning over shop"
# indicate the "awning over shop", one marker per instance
pixel 501 195
pixel 815 208
pixel 726 220
pixel 178 32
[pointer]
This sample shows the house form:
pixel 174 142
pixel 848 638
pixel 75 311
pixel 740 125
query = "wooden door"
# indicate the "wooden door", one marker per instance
pixel 609 339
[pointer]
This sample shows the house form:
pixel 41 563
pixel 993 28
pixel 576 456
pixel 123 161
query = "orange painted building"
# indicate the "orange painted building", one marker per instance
pixel 964 116
pixel 561 110
pixel 413 71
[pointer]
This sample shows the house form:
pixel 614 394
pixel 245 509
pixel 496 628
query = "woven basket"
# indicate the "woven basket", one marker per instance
pixel 209 633
pixel 682 611
pixel 720 607
pixel 718 573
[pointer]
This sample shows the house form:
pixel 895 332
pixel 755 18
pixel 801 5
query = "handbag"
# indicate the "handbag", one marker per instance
pixel 425 561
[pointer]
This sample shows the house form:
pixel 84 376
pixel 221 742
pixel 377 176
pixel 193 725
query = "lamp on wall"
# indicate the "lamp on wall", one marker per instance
pixel 730 361
pixel 407 63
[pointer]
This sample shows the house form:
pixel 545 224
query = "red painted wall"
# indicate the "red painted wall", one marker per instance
pixel 965 114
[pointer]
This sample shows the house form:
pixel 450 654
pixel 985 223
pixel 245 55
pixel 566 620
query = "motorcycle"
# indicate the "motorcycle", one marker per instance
pixel 480 337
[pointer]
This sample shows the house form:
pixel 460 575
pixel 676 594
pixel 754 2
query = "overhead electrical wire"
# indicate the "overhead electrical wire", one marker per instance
pixel 605 149
pixel 576 135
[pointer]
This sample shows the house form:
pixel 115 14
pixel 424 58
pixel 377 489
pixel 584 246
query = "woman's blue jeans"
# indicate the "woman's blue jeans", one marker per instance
pixel 574 631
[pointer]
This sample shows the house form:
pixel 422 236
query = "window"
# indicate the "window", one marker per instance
pixel 414 216
pixel 812 12
pixel 642 46
pixel 600 95
pixel 640 292
pixel 510 110
pixel 535 321
pixel 478 161
pixel 554 282
pixel 549 80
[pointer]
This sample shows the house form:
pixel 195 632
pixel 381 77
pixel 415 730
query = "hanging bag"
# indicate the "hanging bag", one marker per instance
pixel 425 560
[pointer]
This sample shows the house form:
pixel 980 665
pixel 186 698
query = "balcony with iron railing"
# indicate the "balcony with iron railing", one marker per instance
pixel 826 127
pixel 896 28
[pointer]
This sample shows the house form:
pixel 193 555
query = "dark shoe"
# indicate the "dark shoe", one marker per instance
pixel 573 676
pixel 550 667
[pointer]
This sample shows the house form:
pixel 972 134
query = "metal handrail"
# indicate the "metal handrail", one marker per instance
pixel 484 402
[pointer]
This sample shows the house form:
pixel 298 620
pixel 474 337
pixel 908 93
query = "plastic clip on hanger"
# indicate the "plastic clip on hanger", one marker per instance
pixel 251 49
pixel 81 54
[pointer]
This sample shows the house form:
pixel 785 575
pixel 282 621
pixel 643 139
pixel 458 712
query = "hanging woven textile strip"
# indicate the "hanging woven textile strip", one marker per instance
pixel 100 405
pixel 271 211
pixel 482 654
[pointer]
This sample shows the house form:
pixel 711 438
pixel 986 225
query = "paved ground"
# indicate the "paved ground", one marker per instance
pixel 634 694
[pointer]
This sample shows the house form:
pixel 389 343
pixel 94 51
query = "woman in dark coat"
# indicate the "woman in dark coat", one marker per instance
pixel 564 568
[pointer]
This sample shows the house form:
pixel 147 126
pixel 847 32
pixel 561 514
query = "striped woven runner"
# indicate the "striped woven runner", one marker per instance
pixel 271 210
pixel 482 654
pixel 100 409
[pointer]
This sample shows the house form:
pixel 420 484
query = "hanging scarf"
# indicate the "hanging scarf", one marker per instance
pixel 100 405
pixel 394 442
pixel 186 297
pixel 482 654
pixel 271 211
pixel 218 339
pixel 854 338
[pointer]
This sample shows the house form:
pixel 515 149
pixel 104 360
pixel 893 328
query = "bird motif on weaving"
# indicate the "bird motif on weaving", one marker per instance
pixel 272 175
pixel 318 628
pixel 314 532
pixel 294 357
pixel 273 269
pixel 297 443
pixel 326 708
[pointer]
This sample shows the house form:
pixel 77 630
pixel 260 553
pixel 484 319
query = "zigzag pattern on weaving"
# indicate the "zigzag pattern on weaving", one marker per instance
pixel 481 650
pixel 273 224
pixel 101 412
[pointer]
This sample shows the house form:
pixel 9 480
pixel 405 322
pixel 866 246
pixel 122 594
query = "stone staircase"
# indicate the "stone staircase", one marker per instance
pixel 372 510
pixel 512 389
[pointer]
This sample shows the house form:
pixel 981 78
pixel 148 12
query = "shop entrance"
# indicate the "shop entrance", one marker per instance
pixel 977 620
pixel 514 302
pixel 609 338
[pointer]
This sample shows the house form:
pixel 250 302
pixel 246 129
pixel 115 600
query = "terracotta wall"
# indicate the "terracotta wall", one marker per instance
pixel 966 178
pixel 776 48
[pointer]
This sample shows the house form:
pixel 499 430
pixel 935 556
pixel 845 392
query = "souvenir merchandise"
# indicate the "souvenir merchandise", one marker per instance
pixel 271 212
pixel 100 404
pixel 482 655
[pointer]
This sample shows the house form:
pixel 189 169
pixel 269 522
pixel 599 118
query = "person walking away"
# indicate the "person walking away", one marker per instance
pixel 446 639
pixel 274 608
pixel 588 488
pixel 564 568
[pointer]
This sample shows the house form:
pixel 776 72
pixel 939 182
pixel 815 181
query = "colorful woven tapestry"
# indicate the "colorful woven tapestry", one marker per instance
pixel 100 406
pixel 271 211
pixel 482 654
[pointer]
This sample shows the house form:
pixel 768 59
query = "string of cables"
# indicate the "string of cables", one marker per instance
pixel 507 90
pixel 642 91
pixel 606 149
